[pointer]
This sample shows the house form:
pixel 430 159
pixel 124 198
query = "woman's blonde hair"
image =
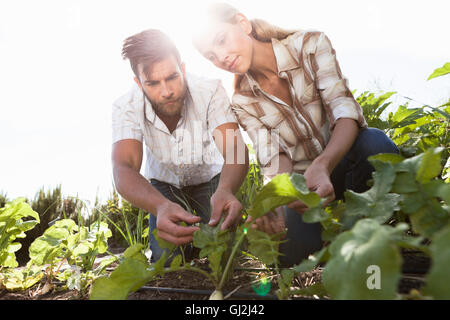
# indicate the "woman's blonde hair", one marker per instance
pixel 261 29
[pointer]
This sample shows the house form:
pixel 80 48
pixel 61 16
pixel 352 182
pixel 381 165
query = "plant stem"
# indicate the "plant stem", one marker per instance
pixel 182 255
pixel 230 260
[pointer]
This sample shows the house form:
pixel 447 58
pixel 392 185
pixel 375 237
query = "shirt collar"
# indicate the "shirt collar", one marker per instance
pixel 284 58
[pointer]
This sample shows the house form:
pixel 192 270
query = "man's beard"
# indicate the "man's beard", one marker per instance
pixel 168 109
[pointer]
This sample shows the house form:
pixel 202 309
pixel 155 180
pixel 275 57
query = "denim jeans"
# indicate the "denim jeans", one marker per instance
pixel 198 197
pixel 352 173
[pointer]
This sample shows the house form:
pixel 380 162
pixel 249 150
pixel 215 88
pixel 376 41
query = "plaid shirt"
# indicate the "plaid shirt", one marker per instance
pixel 187 156
pixel 307 60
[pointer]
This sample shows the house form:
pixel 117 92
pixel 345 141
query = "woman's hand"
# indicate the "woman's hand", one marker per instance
pixel 317 180
pixel 272 222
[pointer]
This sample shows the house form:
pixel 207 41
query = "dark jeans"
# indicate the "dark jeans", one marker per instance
pixel 351 173
pixel 198 197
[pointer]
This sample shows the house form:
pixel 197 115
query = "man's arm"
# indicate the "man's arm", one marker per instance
pixel 131 185
pixel 126 161
pixel 229 141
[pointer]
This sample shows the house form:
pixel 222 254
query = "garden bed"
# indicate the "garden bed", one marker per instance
pixel 188 285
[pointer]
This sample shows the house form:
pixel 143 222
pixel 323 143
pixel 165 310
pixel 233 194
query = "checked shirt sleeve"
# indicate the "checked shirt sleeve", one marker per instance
pixel 336 97
pixel 125 124
pixel 219 110
pixel 265 141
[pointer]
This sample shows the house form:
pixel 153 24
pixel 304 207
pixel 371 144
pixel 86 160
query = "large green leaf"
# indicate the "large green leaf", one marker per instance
pixel 368 245
pixel 281 190
pixel 12 226
pixel 377 202
pixel 438 279
pixel 430 165
pixel 17 209
pixel 430 218
pixel 130 274
pixel 445 69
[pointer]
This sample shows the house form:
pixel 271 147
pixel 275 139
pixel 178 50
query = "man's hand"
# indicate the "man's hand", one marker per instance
pixel 317 180
pixel 271 223
pixel 169 215
pixel 224 202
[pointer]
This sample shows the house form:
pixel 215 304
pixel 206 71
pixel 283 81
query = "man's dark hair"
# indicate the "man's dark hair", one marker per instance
pixel 148 47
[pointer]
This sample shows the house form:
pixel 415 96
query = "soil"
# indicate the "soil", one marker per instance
pixel 194 286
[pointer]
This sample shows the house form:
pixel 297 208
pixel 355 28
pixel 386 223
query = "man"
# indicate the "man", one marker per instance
pixel 177 116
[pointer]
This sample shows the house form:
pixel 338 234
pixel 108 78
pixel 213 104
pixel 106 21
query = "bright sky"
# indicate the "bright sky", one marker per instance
pixel 61 69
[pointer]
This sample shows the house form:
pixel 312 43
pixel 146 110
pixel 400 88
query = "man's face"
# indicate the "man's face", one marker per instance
pixel 165 86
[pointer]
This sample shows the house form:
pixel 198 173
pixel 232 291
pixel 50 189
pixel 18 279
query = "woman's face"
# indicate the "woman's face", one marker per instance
pixel 228 46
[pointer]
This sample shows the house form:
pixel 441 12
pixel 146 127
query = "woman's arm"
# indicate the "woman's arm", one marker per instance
pixel 345 116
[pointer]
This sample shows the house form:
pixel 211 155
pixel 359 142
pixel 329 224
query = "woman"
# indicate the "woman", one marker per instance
pixel 294 103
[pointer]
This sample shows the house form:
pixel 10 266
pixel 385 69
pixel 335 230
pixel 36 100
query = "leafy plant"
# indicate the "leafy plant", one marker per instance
pixel 411 186
pixel 129 224
pixel 65 241
pixel 219 246
pixel 12 226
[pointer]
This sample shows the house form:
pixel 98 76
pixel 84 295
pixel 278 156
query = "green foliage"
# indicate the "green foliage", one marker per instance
pixel 281 190
pixel 20 279
pixel 214 244
pixel 130 275
pixel 66 240
pixel 264 246
pixel 375 203
pixel 3 199
pixel 437 279
pixel 413 130
pixel 78 245
pixel 373 108
pixel 445 69
pixel 353 252
pixel 252 184
pixel 410 186
pixel 129 224
pixel 416 179
pixel 13 226
pixel 51 206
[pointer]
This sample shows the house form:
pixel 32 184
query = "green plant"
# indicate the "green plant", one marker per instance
pixel 411 186
pixel 220 246
pixel 51 205
pixel 129 224
pixel 12 226
pixel 439 72
pixel 3 199
pixel 65 241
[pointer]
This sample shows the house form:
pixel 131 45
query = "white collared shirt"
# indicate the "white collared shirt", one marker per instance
pixel 187 156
